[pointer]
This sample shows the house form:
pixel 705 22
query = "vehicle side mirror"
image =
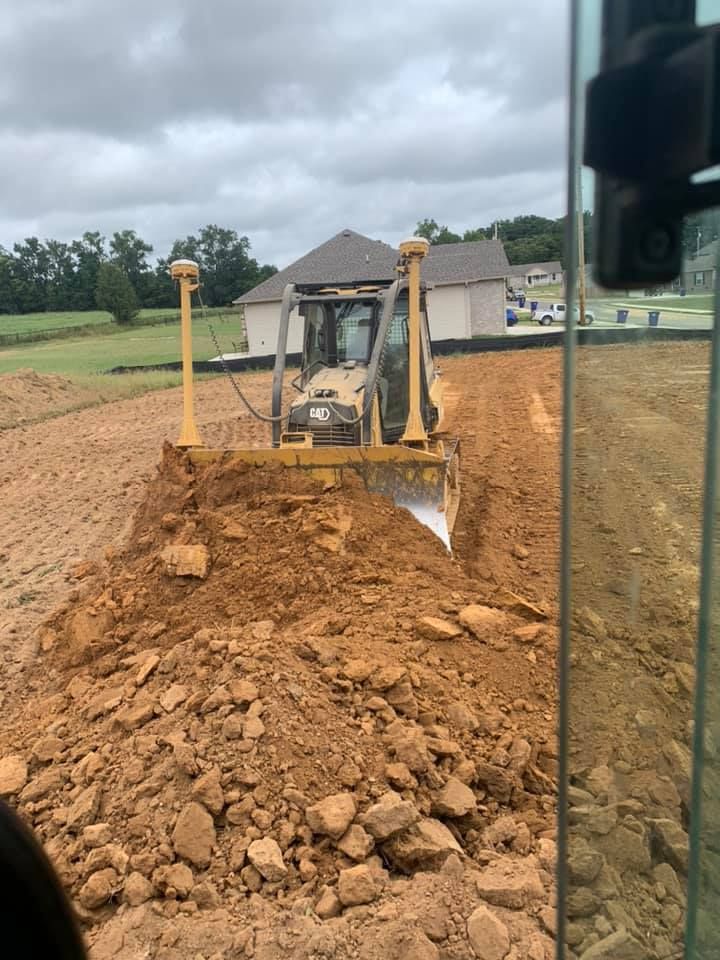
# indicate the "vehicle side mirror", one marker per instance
pixel 36 911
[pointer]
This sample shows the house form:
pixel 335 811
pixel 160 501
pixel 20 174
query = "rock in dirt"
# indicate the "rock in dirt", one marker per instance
pixel 485 622
pixel 670 843
pixel 174 881
pixel 356 843
pixel 461 716
pixel 98 889
pixel 618 946
pixel 584 863
pixel 207 790
pixel 488 935
pixel 510 883
pixel 186 560
pixel 679 758
pixel 104 702
pixel 329 905
pixel 109 855
pixel 357 885
pixel 243 692
pixel 266 856
pixel 84 808
pixel 88 632
pixel 528 633
pixel 399 775
pixel 253 728
pixel 136 715
pixel 147 667
pixel 514 603
pixel 48 748
pixel 499 781
pixel 425 846
pixel 434 628
pixel 137 890
pixel 454 800
pixel 171 698
pixel 389 816
pixel 13 775
pixel 402 941
pixel 358 670
pixel 194 835
pixel 42 785
pixel 96 835
pixel 332 816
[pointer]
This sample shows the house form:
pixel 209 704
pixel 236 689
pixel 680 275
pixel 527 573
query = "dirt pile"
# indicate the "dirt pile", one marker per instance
pixel 26 396
pixel 285 723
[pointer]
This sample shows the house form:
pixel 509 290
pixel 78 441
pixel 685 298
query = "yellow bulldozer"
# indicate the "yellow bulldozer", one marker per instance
pixel 370 397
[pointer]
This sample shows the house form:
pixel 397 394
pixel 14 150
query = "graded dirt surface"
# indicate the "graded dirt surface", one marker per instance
pixel 640 450
pixel 252 717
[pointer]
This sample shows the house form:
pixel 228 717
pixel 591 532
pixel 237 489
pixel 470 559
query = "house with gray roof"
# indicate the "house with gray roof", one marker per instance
pixel 466 286
pixel 527 275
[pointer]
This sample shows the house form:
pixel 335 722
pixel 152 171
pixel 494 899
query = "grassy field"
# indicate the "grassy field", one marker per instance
pixel 84 356
pixel 30 322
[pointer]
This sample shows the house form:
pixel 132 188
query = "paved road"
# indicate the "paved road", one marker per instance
pixel 606 316
pixel 606 313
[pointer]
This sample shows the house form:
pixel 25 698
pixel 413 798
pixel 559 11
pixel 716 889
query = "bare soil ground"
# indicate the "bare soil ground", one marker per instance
pixel 640 446
pixel 274 752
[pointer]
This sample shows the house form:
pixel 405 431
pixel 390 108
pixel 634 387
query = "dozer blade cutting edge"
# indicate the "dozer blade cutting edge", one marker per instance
pixel 425 484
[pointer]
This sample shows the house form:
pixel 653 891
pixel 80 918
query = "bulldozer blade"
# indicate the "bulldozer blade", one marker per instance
pixel 425 484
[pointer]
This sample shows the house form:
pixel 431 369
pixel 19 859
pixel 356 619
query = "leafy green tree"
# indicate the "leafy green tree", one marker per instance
pixel 478 234
pixel 30 269
pixel 434 233
pixel 60 275
pixel 7 295
pixel 88 253
pixel 226 268
pixel 115 293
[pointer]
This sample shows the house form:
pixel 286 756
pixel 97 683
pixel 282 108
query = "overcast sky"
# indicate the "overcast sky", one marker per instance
pixel 284 119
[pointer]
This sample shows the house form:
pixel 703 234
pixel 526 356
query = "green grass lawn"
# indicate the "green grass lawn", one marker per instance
pixel 33 322
pixel 547 294
pixel 137 346
pixel 692 302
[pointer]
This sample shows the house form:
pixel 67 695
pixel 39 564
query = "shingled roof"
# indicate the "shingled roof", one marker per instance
pixel 522 269
pixel 350 256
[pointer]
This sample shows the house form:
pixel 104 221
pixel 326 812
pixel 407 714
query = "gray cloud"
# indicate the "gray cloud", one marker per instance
pixel 286 120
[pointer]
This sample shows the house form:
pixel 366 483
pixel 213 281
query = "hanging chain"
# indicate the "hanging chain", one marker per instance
pixel 228 371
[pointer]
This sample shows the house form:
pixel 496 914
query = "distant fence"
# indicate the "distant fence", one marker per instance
pixel 590 336
pixel 95 329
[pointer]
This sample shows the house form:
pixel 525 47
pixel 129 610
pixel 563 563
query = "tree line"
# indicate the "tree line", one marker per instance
pixel 532 239
pixel 43 275
pixel 527 239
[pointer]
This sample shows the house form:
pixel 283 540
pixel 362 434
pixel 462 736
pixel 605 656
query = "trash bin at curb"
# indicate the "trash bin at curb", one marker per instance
pixel 622 316
pixel 521 302
pixel 653 318
pixel 534 304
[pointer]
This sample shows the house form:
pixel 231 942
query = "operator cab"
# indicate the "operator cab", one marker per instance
pixel 342 356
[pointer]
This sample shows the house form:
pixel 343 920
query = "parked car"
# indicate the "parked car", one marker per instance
pixel 511 318
pixel 555 313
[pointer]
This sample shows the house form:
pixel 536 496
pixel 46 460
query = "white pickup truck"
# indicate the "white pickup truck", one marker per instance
pixel 555 313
